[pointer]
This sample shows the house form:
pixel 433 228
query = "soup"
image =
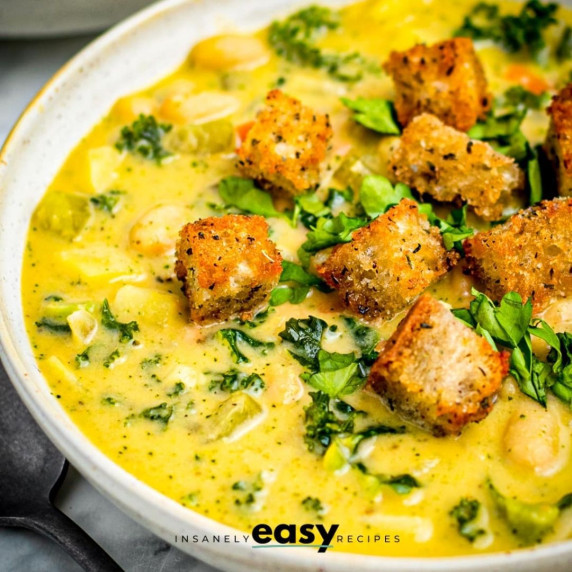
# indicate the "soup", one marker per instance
pixel 235 417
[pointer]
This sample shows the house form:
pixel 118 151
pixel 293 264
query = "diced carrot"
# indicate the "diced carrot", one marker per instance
pixel 527 78
pixel 243 129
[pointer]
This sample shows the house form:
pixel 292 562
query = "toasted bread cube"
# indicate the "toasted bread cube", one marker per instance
pixel 558 144
pixel 285 146
pixel 528 254
pixel 436 371
pixel 388 263
pixel 445 79
pixel 447 165
pixel 228 266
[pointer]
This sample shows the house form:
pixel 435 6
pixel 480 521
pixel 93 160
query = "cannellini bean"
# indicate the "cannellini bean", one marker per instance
pixel 559 315
pixel 127 109
pixel 156 232
pixel 229 52
pixel 532 439
pixel 198 108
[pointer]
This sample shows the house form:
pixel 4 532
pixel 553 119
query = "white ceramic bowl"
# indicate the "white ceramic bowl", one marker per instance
pixel 133 55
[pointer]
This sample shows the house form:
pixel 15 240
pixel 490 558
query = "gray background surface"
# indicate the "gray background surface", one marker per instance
pixel 24 68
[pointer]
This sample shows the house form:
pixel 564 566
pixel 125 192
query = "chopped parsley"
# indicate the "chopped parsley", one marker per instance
pixel 466 513
pixel 248 492
pixel 401 484
pixel 144 137
pixel 510 325
pixel 314 505
pixel 176 390
pixel 152 361
pixel 233 337
pixel 125 329
pixel 296 284
pixel 245 196
pixel 375 114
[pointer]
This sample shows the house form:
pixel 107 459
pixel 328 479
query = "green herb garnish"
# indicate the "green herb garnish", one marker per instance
pixel 144 137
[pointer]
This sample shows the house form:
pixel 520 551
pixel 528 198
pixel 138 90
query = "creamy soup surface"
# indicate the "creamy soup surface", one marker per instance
pixel 146 395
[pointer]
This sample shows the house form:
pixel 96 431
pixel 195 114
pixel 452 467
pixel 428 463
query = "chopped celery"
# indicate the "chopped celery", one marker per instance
pixel 232 414
pixel 528 521
pixel 64 214
pixel 352 172
pixel 206 138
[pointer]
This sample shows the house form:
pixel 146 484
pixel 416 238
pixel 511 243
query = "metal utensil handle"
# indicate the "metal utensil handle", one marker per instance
pixel 55 525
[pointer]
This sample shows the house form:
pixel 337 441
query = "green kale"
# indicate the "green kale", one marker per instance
pixel 518 96
pixel 82 359
pixel 306 337
pixel 560 360
pixel 401 484
pixel 111 358
pixel 515 33
pixel 143 137
pixel 295 37
pixel 161 413
pixel 337 375
pixel 107 202
pixel 376 114
pixel 233 336
pixel 259 319
pixel 125 329
pixel 56 327
pixel 151 362
pixel 235 380
pixel 466 514
pixel 325 418
pixel 245 196
pixel 365 338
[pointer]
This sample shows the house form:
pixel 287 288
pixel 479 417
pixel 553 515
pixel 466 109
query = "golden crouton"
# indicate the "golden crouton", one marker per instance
pixel 558 144
pixel 436 371
pixel 285 146
pixel 445 79
pixel 444 163
pixel 529 254
pixel 388 263
pixel 228 266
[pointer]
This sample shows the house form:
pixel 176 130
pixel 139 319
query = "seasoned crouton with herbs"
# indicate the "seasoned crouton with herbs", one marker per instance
pixel 447 165
pixel 228 266
pixel 284 148
pixel 437 372
pixel 388 263
pixel 445 79
pixel 529 254
pixel 558 144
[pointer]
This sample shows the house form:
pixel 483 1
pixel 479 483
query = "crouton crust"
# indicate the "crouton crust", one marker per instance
pixel 445 79
pixel 388 263
pixel 528 254
pixel 437 372
pixel 284 148
pixel 444 163
pixel 558 144
pixel 228 266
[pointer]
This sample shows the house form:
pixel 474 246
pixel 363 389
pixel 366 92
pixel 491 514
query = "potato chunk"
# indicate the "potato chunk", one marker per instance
pixel 528 254
pixel 446 164
pixel 445 79
pixel 228 266
pixel 284 148
pixel 437 372
pixel 388 263
pixel 558 144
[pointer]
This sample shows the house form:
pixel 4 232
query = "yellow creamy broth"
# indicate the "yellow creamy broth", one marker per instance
pixel 179 460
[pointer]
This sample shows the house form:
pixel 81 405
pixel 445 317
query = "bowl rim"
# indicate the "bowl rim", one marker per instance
pixel 126 491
